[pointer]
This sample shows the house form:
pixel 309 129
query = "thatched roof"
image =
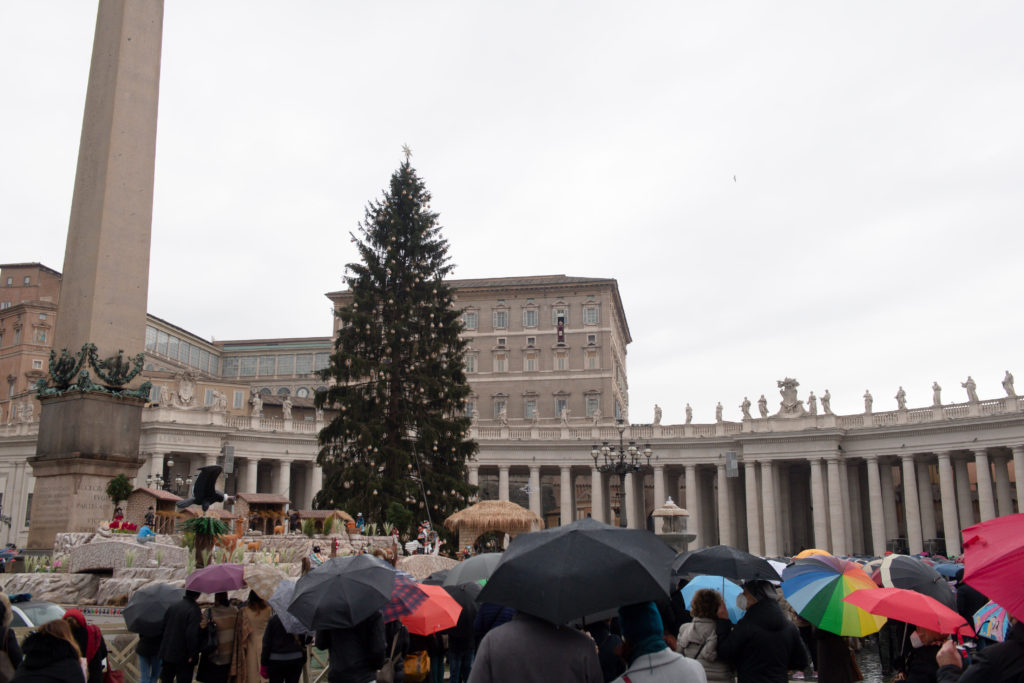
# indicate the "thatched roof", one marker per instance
pixel 324 514
pixel 495 515
pixel 422 566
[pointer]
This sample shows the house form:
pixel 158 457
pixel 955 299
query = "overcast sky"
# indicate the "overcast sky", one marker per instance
pixel 825 191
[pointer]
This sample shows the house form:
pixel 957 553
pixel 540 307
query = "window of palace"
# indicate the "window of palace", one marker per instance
pixel 470 320
pixel 560 311
pixel 530 316
pixel 561 360
pixel 501 362
pixel 590 360
pixel 470 363
pixel 500 404
pixel 500 320
pixel 304 364
pixel 530 408
pixel 531 341
pixel 247 366
pixel 239 399
pixel 591 314
pixel 561 403
pixel 286 364
pixel 283 391
pixel 470 407
pixel 593 404
pixel 530 361
pixel 322 361
pixel 229 367
pixel 267 365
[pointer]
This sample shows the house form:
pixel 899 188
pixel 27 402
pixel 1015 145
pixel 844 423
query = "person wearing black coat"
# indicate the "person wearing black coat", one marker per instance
pixel 608 644
pixel 179 648
pixel 355 653
pixel 999 663
pixel 49 659
pixel 765 645
pixel 283 653
pixel 8 640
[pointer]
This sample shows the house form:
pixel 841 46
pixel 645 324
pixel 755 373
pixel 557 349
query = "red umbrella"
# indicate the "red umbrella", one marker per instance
pixel 993 558
pixel 438 612
pixel 910 607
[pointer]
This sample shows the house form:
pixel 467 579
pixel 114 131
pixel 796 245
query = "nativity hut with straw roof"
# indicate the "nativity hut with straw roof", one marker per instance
pixel 492 515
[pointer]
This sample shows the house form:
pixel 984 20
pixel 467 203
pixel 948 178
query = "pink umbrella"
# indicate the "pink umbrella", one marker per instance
pixel 216 578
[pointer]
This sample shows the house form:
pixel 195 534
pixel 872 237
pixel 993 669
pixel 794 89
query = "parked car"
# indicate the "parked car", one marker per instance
pixel 33 613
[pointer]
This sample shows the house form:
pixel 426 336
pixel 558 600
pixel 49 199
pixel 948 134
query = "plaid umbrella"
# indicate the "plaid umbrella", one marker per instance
pixel 406 596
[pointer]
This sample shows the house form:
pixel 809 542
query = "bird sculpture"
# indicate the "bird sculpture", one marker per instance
pixel 204 492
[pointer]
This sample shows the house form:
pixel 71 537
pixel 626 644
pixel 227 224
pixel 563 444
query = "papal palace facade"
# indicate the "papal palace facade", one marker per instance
pixel 547 367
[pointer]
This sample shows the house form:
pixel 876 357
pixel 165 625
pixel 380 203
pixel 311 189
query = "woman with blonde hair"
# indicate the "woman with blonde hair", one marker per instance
pixel 51 656
pixel 698 639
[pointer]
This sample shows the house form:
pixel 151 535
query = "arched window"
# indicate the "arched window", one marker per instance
pixel 283 391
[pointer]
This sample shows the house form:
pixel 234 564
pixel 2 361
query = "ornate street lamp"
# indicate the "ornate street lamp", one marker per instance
pixel 621 460
pixel 154 481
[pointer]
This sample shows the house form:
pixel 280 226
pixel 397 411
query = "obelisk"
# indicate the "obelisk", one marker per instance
pixel 91 417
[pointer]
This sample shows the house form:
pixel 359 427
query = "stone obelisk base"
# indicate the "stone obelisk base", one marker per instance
pixel 84 441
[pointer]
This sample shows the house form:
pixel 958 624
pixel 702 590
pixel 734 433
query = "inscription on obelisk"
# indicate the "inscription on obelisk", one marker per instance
pixel 91 418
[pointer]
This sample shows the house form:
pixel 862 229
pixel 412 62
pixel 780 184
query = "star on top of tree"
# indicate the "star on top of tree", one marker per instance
pixel 406 151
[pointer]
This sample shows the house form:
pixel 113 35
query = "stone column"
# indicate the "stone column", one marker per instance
pixel 964 499
pixel 659 494
pixel 534 496
pixel 856 510
pixel 911 505
pixel 628 502
pixel 818 503
pixel 252 466
pixel 983 473
pixel 284 478
pixel 844 500
pixel 473 475
pixel 1004 498
pixel 877 508
pixel 835 507
pixel 209 459
pixel 725 536
pixel 156 464
pixel 567 515
pixel 892 527
pixel 315 482
pixel 771 533
pixel 927 502
pixel 1018 473
pixel 950 525
pixel 596 494
pixel 502 482
pixel 753 511
pixel 693 505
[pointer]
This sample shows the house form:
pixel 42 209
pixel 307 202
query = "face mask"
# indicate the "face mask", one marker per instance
pixel 915 640
pixel 741 602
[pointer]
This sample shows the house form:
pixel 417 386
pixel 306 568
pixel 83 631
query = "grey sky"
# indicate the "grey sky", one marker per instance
pixel 871 238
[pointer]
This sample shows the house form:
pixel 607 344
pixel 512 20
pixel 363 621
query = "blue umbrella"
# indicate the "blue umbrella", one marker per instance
pixel 948 570
pixel 723 586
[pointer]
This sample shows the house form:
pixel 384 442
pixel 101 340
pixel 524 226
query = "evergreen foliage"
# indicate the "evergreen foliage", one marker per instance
pixel 396 376
pixel 119 488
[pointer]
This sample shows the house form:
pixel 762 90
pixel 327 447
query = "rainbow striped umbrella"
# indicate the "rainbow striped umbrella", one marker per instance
pixel 992 622
pixel 815 587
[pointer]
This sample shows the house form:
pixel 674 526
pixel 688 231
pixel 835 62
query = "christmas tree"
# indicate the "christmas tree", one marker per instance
pixel 397 449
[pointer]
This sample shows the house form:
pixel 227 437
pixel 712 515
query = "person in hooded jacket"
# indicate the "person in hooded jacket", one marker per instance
pixel 51 656
pixel 8 640
pixel 765 645
pixel 648 655
pixel 90 644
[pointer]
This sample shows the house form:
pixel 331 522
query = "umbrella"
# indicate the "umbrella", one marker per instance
pixel 723 560
pixel 815 587
pixel 217 578
pixel 406 596
pixel 144 614
pixel 437 578
pixel 723 586
pixel 438 612
pixel 992 622
pixel 473 569
pixel 810 552
pixel 910 607
pixel 263 579
pixel 342 592
pixel 279 601
pixel 993 556
pixel 778 566
pixel 902 571
pixel 948 570
pixel 579 569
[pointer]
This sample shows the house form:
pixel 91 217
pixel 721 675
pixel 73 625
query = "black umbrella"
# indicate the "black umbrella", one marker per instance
pixel 342 592
pixel 436 578
pixel 144 614
pixel 904 571
pixel 723 560
pixel 579 569
pixel 465 594
pixel 473 569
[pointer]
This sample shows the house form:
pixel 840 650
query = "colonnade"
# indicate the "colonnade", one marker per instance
pixel 294 478
pixel 772 505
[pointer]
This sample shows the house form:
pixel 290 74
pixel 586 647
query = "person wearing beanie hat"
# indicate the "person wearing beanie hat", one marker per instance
pixel 648 655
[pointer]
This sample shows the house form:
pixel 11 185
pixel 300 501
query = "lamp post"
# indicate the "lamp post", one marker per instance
pixel 621 460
